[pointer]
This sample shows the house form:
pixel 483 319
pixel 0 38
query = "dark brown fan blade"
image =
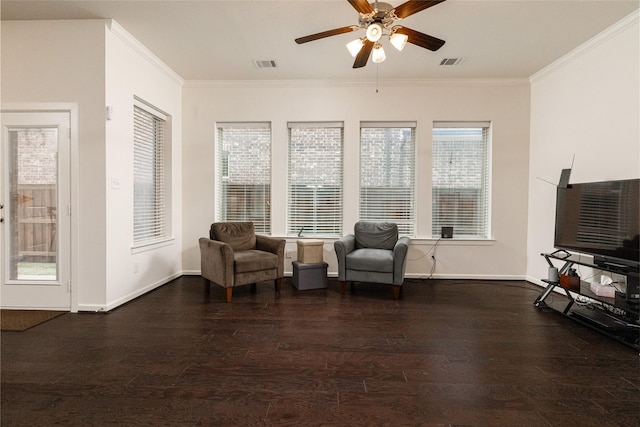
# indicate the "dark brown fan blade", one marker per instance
pixel 329 33
pixel 363 55
pixel 362 6
pixel 420 39
pixel 414 6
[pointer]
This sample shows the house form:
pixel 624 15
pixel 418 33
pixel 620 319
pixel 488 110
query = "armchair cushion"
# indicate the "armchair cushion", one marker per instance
pixel 239 235
pixel 374 260
pixel 376 235
pixel 253 260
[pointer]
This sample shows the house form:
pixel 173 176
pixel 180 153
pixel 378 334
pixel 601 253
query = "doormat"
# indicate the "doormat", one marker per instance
pixel 21 320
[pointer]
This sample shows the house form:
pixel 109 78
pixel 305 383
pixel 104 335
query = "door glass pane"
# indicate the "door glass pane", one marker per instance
pixel 33 189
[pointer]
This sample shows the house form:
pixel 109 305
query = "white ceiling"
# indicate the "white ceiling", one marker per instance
pixel 219 40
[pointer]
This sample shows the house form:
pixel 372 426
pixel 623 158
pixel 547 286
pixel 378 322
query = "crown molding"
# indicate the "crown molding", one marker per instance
pixel 139 48
pixel 370 83
pixel 620 26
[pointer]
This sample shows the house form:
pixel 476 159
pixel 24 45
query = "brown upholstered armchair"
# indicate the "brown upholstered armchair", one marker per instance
pixel 234 255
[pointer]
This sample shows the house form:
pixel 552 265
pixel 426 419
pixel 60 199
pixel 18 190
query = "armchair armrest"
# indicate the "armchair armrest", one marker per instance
pixel 269 244
pixel 346 243
pixel 216 262
pixel 399 259
pixel 344 246
pixel 275 246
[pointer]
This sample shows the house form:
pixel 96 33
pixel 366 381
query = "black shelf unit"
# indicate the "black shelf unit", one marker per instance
pixel 618 317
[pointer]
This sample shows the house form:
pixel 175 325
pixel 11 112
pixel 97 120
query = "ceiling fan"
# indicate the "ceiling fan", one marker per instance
pixel 378 20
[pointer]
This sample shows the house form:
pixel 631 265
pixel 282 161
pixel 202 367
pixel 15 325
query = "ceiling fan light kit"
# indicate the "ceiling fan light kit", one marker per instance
pixel 378 54
pixel 354 46
pixel 374 32
pixel 377 19
pixel 399 41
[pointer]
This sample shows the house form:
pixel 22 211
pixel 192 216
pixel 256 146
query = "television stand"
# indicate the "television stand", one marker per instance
pixel 618 317
pixel 560 254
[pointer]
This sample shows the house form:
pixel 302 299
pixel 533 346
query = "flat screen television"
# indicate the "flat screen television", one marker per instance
pixel 600 219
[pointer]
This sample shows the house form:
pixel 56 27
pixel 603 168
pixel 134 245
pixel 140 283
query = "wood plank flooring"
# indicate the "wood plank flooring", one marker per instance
pixel 448 353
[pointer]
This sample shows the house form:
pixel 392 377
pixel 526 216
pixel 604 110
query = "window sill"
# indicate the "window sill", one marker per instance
pixel 415 241
pixel 150 246
pixel 452 242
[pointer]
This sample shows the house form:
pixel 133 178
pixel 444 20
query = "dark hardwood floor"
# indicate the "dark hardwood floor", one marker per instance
pixel 449 352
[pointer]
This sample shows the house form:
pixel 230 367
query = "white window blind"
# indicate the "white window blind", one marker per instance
pixel 387 174
pixel 149 211
pixel 243 168
pixel 315 179
pixel 460 178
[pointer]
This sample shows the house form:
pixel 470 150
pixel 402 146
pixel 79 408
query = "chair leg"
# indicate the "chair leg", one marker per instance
pixel 278 284
pixel 229 293
pixel 207 286
pixel 343 287
pixel 396 292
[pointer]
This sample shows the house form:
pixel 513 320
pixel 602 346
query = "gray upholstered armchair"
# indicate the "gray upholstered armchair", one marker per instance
pixel 373 254
pixel 234 255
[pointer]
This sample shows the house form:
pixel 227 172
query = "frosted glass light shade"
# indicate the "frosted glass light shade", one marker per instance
pixel 399 41
pixel 378 55
pixel 374 32
pixel 354 46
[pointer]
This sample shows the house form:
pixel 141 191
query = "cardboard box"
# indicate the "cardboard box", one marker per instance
pixel 310 251
pixel 310 276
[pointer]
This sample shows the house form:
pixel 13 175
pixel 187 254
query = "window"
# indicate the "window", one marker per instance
pixel 243 174
pixel 460 179
pixel 315 179
pixel 150 217
pixel 387 174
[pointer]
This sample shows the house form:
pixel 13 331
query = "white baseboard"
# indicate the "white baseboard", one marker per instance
pixel 415 276
pixel 120 301
pixel 191 272
pixel 127 298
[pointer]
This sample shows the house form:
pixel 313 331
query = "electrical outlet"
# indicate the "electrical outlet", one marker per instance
pixel 136 267
pixel 115 183
pixel 287 253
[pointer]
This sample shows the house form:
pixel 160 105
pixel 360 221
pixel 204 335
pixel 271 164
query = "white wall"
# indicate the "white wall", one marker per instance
pixel 131 70
pixel 585 104
pixel 95 63
pixel 63 62
pixel 505 103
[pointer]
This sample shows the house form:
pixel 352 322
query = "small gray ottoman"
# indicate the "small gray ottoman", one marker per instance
pixel 310 276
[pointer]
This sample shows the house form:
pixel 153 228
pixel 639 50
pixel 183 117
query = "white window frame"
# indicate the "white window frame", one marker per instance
pixel 324 218
pixel 151 154
pixel 260 215
pixel 469 194
pixel 388 175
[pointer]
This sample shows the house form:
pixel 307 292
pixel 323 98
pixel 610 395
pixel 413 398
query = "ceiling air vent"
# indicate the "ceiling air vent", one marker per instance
pixel 451 61
pixel 270 63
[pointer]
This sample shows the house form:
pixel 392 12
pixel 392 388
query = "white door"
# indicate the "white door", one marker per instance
pixel 35 199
